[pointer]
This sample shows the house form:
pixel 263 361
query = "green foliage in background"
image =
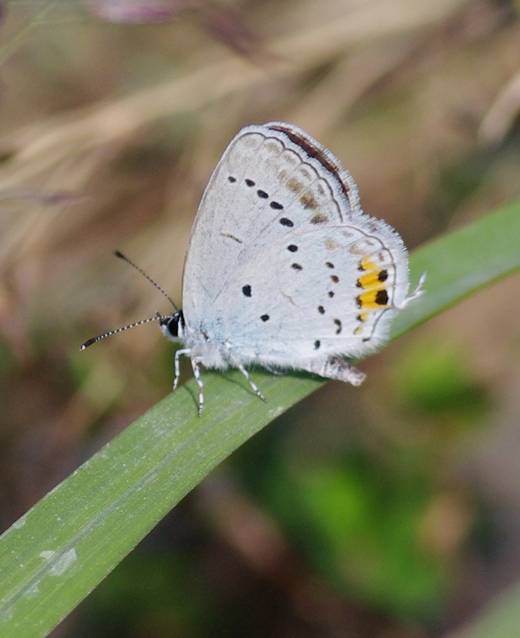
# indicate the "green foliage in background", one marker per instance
pixel 360 509
pixel 434 383
pixel 359 525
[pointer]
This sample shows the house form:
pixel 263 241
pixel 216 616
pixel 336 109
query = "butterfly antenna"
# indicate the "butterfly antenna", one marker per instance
pixel 156 317
pixel 119 254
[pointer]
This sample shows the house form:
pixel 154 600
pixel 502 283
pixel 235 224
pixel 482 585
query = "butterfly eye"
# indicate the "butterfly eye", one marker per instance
pixel 173 326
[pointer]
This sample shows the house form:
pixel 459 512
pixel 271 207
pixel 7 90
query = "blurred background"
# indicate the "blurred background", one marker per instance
pixel 389 511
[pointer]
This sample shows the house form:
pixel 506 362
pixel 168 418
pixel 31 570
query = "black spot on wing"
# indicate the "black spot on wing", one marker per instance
pixel 381 298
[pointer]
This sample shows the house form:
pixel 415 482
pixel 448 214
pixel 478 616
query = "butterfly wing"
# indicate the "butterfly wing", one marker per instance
pixel 272 179
pixel 284 268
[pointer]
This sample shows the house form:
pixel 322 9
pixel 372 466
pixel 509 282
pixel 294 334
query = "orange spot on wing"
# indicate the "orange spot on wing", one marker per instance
pixel 368 265
pixel 372 300
pixel 371 281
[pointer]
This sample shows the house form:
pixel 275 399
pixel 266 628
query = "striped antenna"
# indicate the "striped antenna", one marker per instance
pixel 156 317
pixel 119 254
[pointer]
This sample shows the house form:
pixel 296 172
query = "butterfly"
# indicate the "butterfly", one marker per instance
pixel 284 269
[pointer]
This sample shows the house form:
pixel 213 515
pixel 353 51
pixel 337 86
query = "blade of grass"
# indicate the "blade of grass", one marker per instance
pixel 69 541
pixel 500 617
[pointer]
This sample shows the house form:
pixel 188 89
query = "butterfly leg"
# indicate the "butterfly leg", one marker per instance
pixel 336 368
pixel 195 364
pixel 176 366
pixel 252 384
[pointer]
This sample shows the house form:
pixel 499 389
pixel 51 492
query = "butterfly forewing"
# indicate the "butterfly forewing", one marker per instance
pixel 265 186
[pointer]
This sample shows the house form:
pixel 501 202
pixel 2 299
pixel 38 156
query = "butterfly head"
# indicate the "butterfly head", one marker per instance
pixel 172 326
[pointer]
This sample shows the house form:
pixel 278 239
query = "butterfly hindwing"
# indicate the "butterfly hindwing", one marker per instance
pixel 316 291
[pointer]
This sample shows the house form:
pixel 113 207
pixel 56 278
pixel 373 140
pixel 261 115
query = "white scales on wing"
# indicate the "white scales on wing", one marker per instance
pixel 264 185
pixel 284 269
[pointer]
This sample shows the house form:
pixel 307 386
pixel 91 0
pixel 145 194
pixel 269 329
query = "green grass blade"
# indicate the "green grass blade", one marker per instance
pixel 69 541
pixel 463 262
pixel 500 618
